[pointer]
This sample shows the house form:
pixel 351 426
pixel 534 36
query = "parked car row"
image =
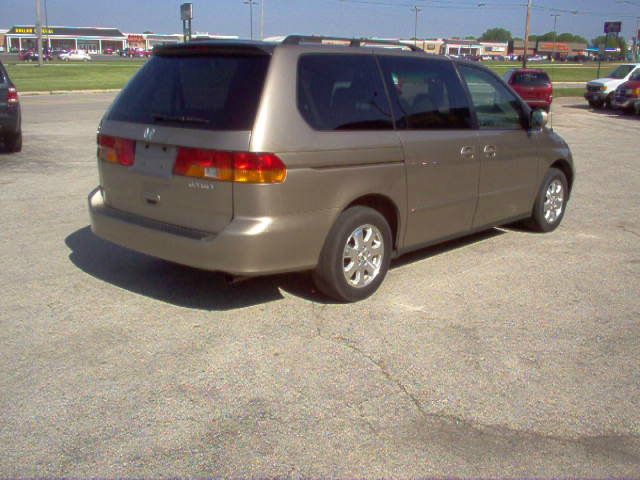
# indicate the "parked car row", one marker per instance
pixel 48 55
pixel 620 90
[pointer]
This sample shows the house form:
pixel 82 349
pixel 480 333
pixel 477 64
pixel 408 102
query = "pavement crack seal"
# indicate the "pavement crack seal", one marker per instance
pixel 625 229
pixel 482 431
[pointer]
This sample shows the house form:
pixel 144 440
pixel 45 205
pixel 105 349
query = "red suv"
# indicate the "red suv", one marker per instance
pixel 533 85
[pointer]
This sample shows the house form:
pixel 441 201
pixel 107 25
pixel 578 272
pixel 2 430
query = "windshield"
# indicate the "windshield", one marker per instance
pixel 621 72
pixel 531 79
pixel 216 92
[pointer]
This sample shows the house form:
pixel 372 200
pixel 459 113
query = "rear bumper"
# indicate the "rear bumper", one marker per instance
pixel 247 246
pixel 9 121
pixel 539 104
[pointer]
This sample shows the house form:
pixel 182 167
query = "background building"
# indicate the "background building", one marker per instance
pixel 91 39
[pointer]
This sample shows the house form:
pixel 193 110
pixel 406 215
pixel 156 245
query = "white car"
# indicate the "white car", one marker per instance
pixel 75 55
pixel 600 92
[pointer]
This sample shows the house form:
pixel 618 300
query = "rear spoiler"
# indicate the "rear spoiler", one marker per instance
pixel 216 47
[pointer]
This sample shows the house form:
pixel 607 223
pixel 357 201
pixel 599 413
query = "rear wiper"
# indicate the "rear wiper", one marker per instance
pixel 159 117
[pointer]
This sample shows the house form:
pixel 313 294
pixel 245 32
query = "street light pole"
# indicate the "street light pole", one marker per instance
pixel 527 31
pixel 261 19
pixel 416 10
pixel 39 30
pixel 251 3
pixel 555 35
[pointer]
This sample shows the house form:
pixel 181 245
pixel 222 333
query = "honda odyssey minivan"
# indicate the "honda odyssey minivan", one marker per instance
pixel 252 158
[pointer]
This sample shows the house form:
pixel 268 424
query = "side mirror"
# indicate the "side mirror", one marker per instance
pixel 539 119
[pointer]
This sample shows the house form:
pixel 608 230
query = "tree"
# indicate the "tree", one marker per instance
pixel 571 38
pixel 612 42
pixel 470 37
pixel 496 35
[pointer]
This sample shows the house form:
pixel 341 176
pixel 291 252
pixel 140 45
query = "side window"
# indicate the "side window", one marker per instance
pixel 342 92
pixel 427 94
pixel 496 107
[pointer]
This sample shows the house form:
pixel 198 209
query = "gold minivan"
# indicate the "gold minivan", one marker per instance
pixel 253 158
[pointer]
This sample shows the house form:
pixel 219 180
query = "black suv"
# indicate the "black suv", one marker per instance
pixel 10 117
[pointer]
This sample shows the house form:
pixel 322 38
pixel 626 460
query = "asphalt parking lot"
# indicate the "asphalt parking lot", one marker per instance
pixel 502 354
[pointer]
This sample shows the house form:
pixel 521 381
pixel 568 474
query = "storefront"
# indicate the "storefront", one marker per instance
pixel 461 48
pixel 495 49
pixel 561 50
pixel 93 40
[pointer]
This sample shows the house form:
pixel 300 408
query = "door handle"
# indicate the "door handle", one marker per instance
pixel 490 150
pixel 467 152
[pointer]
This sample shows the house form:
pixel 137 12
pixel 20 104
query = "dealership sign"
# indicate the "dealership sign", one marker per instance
pixel 612 27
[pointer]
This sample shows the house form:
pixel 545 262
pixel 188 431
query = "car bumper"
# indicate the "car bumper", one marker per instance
pixel 9 122
pixel 624 103
pixel 597 97
pixel 539 104
pixel 246 246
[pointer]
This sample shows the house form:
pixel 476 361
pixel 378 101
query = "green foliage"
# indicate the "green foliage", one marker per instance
pixel 612 41
pixel 496 35
pixel 562 37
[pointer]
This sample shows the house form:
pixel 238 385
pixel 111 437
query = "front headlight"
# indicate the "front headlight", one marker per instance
pixel 604 88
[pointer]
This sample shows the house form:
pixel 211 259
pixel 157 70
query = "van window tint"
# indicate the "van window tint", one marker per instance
pixel 496 107
pixel 342 92
pixel 531 79
pixel 427 94
pixel 212 92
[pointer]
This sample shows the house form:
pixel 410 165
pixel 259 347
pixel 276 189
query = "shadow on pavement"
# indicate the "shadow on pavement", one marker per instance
pixel 604 112
pixel 199 289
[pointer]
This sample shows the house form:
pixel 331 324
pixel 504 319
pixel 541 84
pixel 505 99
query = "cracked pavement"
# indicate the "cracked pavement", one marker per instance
pixel 502 354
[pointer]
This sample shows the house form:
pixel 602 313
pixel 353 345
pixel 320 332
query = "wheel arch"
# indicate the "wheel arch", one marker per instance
pixel 565 168
pixel 386 207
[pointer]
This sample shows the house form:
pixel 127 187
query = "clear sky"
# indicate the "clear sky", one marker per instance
pixel 382 18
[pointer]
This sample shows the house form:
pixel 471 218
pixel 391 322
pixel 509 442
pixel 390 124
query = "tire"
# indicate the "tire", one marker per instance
pixel 330 275
pixel 608 102
pixel 13 142
pixel 548 212
pixel 596 105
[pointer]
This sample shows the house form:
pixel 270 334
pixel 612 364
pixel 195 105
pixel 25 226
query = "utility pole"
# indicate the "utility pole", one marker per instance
pixel 251 3
pixel 637 35
pixel 416 10
pixel 555 35
pixel 527 31
pixel 261 19
pixel 39 30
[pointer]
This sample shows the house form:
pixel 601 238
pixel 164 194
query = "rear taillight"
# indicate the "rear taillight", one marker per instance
pixel 12 96
pixel 636 92
pixel 242 167
pixel 116 150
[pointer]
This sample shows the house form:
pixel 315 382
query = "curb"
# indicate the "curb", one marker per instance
pixel 65 92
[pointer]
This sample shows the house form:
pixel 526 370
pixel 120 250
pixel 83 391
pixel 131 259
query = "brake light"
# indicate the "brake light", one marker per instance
pixel 116 150
pixel 242 167
pixel 636 92
pixel 12 96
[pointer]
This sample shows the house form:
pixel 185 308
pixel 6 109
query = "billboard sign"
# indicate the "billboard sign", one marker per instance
pixel 612 27
pixel 186 11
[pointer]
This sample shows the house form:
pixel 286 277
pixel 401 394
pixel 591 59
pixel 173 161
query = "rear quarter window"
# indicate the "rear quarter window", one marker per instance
pixel 342 92
pixel 217 92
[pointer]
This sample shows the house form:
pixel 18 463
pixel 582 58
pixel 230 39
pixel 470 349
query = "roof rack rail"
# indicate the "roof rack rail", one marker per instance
pixel 353 42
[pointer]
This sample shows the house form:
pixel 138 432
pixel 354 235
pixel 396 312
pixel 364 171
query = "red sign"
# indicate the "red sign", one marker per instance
pixel 548 47
pixel 135 38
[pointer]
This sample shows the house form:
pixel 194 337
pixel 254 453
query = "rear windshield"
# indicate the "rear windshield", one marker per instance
pixel 217 92
pixel 621 72
pixel 531 79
